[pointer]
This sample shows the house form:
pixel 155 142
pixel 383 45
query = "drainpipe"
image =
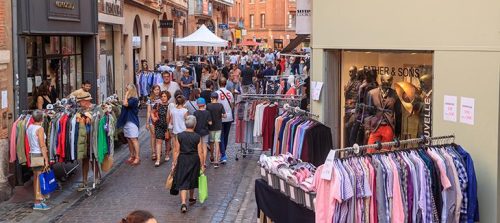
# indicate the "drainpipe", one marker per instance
pixel 15 55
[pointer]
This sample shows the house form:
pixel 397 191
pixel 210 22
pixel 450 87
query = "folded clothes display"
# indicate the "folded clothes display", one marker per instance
pixel 295 172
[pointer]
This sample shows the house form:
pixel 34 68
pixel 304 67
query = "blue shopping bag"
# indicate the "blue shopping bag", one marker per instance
pixel 48 183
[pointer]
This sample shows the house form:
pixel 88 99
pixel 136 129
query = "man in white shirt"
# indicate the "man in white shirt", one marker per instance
pixel 234 58
pixel 243 60
pixel 226 98
pixel 270 57
pixel 169 86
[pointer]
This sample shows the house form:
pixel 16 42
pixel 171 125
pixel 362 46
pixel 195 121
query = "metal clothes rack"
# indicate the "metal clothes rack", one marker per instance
pixel 297 110
pixel 397 143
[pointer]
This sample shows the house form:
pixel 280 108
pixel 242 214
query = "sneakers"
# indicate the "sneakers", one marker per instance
pixel 41 207
pixel 223 159
pixel 216 165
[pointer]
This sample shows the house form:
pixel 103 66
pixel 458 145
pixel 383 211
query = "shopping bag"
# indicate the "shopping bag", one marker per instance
pixel 170 180
pixel 202 188
pixel 107 163
pixel 48 183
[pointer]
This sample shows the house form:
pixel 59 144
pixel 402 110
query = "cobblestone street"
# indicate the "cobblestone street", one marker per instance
pixel 126 188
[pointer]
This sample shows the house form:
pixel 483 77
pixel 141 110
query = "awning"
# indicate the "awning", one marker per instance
pixel 295 42
pixel 249 43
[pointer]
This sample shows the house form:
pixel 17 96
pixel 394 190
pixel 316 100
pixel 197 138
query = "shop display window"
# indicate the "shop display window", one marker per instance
pixel 106 60
pixel 385 94
pixel 60 62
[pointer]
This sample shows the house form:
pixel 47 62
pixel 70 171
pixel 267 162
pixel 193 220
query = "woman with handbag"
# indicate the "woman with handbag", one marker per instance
pixel 161 124
pixel 129 120
pixel 39 159
pixel 152 117
pixel 187 162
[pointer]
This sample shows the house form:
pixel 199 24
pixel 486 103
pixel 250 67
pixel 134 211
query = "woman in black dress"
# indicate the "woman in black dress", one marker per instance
pixel 161 125
pixel 187 162
pixel 43 98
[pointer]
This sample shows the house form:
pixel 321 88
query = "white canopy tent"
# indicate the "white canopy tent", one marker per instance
pixel 202 37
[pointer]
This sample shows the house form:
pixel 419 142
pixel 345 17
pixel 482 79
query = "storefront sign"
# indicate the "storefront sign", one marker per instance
pixel 113 7
pixel 397 71
pixel 450 108
pixel 66 10
pixel 303 17
pixel 166 23
pixel 136 42
pixel 467 110
pixel 223 26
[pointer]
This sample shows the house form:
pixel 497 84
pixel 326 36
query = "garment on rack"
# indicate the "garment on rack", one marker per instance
pixel 71 135
pixel 398 187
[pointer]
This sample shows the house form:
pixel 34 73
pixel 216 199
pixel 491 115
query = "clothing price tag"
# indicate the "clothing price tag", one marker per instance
pixel 326 173
pixel 262 172
pixel 308 200
pixel 292 192
pixel 282 186
pixel 269 180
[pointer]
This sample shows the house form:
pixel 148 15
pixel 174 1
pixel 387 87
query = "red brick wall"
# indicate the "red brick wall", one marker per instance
pixel 3 28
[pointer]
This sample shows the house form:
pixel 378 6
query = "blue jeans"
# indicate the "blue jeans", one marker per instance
pixel 226 128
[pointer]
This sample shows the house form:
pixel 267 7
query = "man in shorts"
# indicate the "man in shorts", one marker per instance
pixel 217 112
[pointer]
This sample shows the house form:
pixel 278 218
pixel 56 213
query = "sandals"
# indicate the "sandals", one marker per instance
pixel 130 159
pixel 136 162
pixel 184 208
pixel 192 201
pixel 153 156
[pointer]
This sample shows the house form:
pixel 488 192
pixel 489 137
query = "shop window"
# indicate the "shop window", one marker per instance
pixel 60 63
pixel 385 94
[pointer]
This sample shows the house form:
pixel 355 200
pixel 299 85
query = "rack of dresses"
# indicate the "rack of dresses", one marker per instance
pixel 251 114
pixel 428 179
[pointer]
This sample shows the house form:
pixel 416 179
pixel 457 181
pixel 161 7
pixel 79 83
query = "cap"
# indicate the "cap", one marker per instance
pixel 179 64
pixel 201 101
pixel 214 95
pixel 84 96
pixel 184 70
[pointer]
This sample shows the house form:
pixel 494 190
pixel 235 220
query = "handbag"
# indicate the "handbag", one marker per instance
pixel 202 187
pixel 48 183
pixel 37 161
pixel 170 180
pixel 154 114
pixel 167 135
pixel 107 163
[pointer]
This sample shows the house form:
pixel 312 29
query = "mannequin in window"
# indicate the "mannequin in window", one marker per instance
pixel 350 96
pixel 384 122
pixel 368 77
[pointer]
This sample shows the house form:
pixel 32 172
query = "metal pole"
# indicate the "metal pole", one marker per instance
pixel 15 56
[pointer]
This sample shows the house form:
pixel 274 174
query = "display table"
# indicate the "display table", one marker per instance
pixel 278 207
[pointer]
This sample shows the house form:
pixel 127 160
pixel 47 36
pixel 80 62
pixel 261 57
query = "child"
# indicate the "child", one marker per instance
pixel 203 120
pixel 38 150
pixel 217 112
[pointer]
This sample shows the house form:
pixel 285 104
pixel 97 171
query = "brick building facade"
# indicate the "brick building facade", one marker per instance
pixel 6 89
pixel 271 22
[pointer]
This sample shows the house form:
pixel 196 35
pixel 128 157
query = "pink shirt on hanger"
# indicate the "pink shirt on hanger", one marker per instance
pixel 442 169
pixel 327 195
pixel 397 214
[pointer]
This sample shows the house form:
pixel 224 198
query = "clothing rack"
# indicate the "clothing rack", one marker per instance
pixel 294 55
pixel 396 143
pixel 280 96
pixel 297 110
